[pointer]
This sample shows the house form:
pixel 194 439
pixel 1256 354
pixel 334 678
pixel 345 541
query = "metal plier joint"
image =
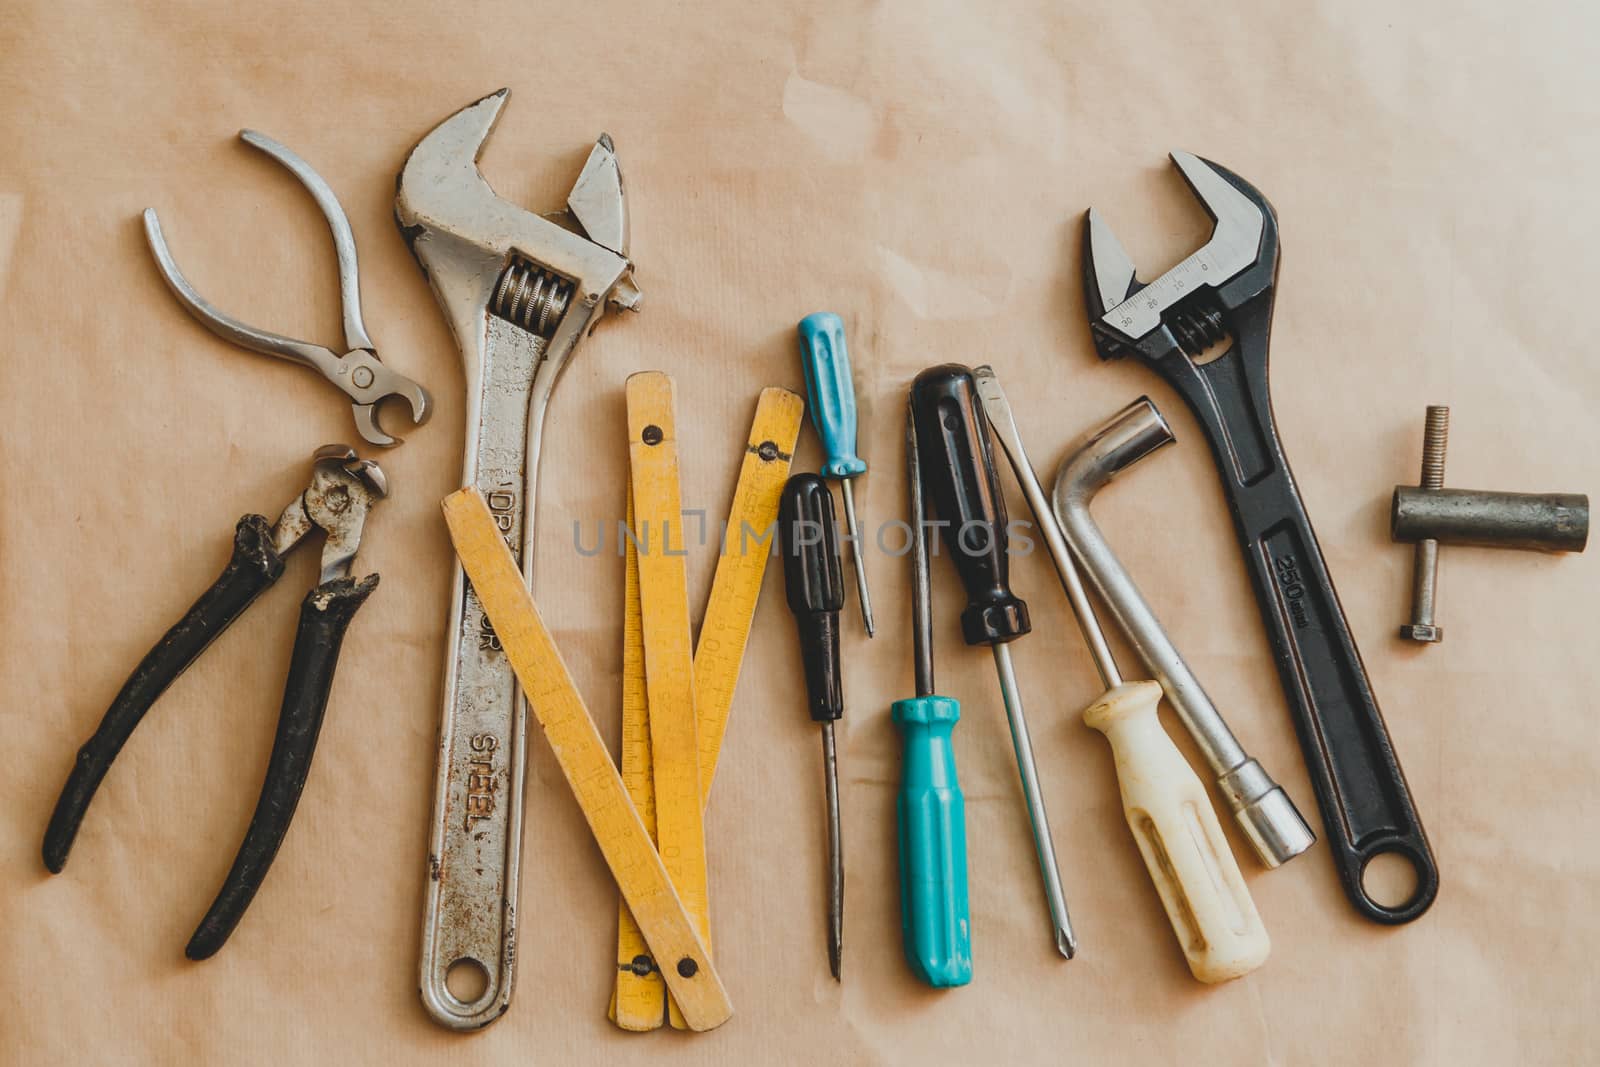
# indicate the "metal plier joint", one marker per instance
pixel 343 488
pixel 358 373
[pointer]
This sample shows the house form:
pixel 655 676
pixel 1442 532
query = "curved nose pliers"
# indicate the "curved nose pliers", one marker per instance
pixel 342 490
pixel 357 373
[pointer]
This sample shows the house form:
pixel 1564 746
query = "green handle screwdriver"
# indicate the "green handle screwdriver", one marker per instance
pixel 930 810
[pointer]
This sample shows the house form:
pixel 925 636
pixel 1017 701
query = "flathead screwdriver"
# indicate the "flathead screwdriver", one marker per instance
pixel 959 479
pixel 814 585
pixel 930 810
pixel 831 393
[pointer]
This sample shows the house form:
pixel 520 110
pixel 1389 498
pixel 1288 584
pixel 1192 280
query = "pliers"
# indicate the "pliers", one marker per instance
pixel 357 373
pixel 343 488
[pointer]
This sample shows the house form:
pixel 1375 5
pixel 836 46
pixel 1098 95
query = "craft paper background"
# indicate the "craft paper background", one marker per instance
pixel 922 169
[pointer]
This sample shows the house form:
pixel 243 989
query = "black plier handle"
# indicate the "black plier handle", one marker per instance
pixel 342 490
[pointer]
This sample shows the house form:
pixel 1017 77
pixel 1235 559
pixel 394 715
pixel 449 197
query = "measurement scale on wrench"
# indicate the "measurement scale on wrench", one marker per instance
pixel 519 291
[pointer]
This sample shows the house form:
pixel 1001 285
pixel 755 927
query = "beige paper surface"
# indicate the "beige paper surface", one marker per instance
pixel 921 169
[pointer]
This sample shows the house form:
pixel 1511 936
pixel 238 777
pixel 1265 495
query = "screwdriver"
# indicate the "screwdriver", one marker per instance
pixel 1163 800
pixel 958 476
pixel 930 810
pixel 814 585
pixel 832 394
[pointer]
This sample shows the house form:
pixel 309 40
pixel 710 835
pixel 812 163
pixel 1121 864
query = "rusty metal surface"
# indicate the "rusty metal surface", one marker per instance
pixel 519 292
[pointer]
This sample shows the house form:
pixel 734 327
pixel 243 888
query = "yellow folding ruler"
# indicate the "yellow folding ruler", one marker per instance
pixel 640 995
pixel 668 929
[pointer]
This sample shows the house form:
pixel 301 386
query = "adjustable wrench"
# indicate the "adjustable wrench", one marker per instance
pixel 1223 293
pixel 519 292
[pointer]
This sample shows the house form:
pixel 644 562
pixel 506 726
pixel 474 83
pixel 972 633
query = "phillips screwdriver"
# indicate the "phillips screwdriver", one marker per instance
pixel 958 477
pixel 832 394
pixel 930 810
pixel 1163 800
pixel 814 585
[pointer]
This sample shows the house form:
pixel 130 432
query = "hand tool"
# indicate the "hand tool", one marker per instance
pixel 1224 292
pixel 1429 515
pixel 1536 522
pixel 357 373
pixel 809 544
pixel 1425 567
pixel 832 391
pixel 595 783
pixel 639 999
pixel 1165 805
pixel 343 488
pixel 930 812
pixel 1269 819
pixel 519 291
pixel 668 654
pixel 958 477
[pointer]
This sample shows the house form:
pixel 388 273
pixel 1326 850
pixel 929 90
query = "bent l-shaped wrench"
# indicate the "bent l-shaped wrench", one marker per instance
pixel 519 291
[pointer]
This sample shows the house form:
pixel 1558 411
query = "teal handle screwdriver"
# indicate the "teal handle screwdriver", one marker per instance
pixel 930 810
pixel 832 394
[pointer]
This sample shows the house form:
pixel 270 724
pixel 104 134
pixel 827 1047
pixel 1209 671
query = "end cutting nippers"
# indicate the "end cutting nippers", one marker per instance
pixel 357 373
pixel 342 490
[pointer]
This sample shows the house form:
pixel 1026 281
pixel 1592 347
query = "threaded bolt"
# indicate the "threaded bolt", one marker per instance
pixel 1425 567
pixel 1435 438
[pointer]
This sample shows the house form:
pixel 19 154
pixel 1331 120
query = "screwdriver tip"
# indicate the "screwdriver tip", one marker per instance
pixel 1066 944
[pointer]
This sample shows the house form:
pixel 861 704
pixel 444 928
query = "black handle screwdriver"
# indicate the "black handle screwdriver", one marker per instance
pixel 814 584
pixel 959 480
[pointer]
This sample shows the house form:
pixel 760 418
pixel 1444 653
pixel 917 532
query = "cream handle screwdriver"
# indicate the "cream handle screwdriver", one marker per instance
pixel 1162 798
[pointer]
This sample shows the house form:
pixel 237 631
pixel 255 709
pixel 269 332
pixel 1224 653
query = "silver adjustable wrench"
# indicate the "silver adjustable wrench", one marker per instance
pixel 519 291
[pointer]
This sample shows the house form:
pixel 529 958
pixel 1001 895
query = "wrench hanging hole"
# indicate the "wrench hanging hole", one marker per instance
pixel 467 980
pixel 1390 879
pixel 531 297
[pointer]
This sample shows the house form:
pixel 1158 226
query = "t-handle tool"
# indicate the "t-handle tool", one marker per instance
pixel 1165 805
pixel 357 373
pixel 931 813
pixel 519 291
pixel 832 393
pixel 1224 292
pixel 958 477
pixel 342 490
pixel 814 584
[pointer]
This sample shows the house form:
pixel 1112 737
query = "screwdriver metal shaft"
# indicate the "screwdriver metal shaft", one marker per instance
pixel 830 761
pixel 853 529
pixel 831 393
pixel 814 585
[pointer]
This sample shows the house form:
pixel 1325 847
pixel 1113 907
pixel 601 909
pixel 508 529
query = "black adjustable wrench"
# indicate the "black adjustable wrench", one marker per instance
pixel 1221 298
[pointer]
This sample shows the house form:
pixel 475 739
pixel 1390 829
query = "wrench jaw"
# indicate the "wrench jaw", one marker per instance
pixel 465 237
pixel 1216 292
